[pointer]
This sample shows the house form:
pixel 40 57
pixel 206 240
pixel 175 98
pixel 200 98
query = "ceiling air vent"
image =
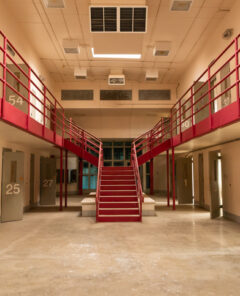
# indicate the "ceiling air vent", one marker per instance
pixel 71 46
pixel 181 5
pixel 80 73
pixel 54 3
pixel 162 48
pixel 151 75
pixel 116 80
pixel 132 19
pixel 103 19
pixel 118 19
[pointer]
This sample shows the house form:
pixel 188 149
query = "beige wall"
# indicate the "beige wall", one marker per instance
pixel 27 156
pixel 96 85
pixel 209 48
pixel 230 175
pixel 15 33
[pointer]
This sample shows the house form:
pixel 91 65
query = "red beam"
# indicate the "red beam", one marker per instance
pixel 66 177
pixel 167 158
pixel 173 179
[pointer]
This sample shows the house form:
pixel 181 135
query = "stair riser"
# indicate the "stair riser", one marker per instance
pixel 118 205
pixel 128 178
pixel 123 187
pixel 114 182
pixel 118 212
pixel 117 169
pixel 118 219
pixel 118 193
pixel 118 199
pixel 118 173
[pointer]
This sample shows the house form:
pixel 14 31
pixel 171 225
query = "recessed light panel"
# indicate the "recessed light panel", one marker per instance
pixel 181 5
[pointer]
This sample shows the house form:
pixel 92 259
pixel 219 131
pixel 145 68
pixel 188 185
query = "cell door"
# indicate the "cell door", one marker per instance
pixel 12 186
pixel 201 99
pixel 201 179
pixel 184 180
pixel 47 181
pixel 214 188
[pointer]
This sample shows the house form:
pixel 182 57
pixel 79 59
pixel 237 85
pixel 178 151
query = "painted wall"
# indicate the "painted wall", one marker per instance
pixel 27 157
pixel 16 35
pixel 230 176
pixel 210 46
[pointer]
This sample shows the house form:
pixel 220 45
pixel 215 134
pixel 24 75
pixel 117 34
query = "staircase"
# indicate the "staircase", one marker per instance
pixel 118 200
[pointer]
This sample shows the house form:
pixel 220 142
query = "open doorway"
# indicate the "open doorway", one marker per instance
pixel 215 167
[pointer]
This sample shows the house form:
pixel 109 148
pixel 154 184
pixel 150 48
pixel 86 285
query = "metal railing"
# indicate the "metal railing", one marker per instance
pixel 100 165
pixel 134 164
pixel 25 93
pixel 198 110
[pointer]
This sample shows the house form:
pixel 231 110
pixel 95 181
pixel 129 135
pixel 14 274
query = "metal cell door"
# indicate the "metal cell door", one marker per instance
pixel 214 189
pixel 12 186
pixel 47 181
pixel 184 180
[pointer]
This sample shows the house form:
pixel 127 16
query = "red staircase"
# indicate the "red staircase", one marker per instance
pixel 118 199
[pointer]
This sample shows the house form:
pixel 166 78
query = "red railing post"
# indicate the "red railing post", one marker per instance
pixel 61 179
pixel 80 189
pixel 44 110
pixel 55 119
pixel 66 177
pixel 237 74
pixel 173 178
pixel 167 159
pixel 180 120
pixel 4 73
pixel 29 95
pixel 70 129
pixel 209 97
pixel 192 114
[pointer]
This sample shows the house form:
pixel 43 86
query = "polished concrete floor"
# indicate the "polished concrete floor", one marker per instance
pixel 175 253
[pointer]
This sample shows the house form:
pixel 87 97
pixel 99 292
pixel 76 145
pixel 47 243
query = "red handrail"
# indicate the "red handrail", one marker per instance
pixel 100 165
pixel 134 164
pixel 183 114
pixel 38 98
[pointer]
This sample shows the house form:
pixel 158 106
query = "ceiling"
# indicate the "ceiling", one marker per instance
pixel 46 28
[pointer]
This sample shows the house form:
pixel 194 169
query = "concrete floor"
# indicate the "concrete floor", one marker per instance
pixel 175 253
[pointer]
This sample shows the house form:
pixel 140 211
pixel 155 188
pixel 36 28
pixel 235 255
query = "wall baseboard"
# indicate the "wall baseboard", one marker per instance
pixel 231 216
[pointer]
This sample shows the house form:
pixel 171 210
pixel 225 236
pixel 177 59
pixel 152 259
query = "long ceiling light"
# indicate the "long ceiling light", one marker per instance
pixel 116 56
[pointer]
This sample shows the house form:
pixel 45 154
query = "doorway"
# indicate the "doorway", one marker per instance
pixel 32 174
pixel 12 186
pixel 201 180
pixel 215 167
pixel 184 178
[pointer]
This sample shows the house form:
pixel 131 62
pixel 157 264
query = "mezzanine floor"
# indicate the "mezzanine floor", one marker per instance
pixel 174 253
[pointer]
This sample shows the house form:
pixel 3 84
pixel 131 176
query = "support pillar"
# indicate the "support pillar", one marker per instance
pixel 151 177
pixel 80 190
pixel 168 197
pixel 173 179
pixel 61 179
pixel 66 178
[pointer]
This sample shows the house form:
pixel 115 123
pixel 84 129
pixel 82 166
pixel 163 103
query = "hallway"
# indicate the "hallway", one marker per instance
pixel 175 253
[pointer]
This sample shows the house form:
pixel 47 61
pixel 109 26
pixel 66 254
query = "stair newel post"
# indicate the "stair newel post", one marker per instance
pixel 151 166
pixel 80 175
pixel 66 178
pixel 44 110
pixel 61 180
pixel 173 178
pixel 237 73
pixel 167 160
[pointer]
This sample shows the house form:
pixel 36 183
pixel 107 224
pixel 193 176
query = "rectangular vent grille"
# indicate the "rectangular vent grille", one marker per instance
pixel 115 95
pixel 105 19
pixel 132 19
pixel 77 94
pixel 54 3
pixel 154 94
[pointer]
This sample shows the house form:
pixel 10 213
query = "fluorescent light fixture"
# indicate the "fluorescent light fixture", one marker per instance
pixel 116 55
